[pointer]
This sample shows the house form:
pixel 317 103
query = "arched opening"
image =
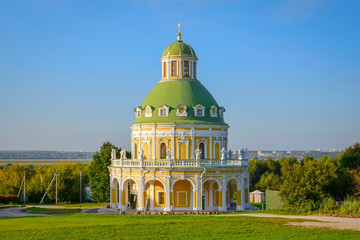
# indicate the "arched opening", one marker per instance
pixel 182 150
pixel 162 150
pixel 146 151
pixel 129 194
pixel 115 193
pixel 135 151
pixel 183 195
pixel 202 149
pixel 155 196
pixel 233 196
pixel 217 151
pixel 211 195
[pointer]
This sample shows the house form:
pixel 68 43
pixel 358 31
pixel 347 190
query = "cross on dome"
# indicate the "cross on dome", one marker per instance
pixel 179 34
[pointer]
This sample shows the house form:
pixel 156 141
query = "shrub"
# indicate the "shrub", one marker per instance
pixel 9 198
pixel 328 206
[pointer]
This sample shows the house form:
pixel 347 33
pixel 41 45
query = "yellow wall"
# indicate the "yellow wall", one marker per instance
pixel 217 151
pixel 146 151
pixel 113 195
pixel 159 187
pixel 182 185
pixel 122 197
pixel 183 150
pixel 246 195
pixel 238 197
pixel 220 198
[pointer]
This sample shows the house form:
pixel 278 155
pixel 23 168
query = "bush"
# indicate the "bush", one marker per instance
pixel 350 207
pixel 8 198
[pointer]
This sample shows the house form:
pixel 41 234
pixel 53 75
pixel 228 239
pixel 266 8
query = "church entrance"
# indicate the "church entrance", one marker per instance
pixel 130 194
pixel 211 195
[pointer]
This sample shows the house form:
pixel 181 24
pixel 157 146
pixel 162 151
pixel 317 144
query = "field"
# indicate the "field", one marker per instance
pixel 42 162
pixel 91 226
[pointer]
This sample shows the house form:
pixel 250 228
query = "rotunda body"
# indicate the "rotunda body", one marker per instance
pixel 179 147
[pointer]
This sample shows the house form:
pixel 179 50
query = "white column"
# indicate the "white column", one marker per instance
pixel 180 68
pixel 172 133
pixel 168 193
pixel 152 196
pixel 140 146
pixel 140 193
pixel 193 143
pixel 224 208
pixel 153 143
pixel 198 193
pixel 168 68
pixel 112 205
pixel 192 68
pixel 211 145
pixel 242 193
pixel 120 198
pixel 211 195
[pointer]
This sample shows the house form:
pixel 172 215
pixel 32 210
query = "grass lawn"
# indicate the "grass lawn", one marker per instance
pixel 83 226
pixel 51 210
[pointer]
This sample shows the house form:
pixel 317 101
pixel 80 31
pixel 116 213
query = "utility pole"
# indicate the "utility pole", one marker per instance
pixel 56 201
pixel 80 185
pixel 24 186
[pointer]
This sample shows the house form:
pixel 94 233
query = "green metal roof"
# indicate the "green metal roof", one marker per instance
pixel 179 47
pixel 175 93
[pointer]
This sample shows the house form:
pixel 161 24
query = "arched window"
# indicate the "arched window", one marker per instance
pixel 162 151
pixel 135 151
pixel 202 148
pixel 174 68
pixel 186 69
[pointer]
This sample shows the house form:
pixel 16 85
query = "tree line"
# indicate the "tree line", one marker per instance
pixel 38 179
pixel 310 183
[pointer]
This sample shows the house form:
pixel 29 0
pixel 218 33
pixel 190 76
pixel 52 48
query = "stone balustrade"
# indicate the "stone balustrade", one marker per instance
pixel 178 163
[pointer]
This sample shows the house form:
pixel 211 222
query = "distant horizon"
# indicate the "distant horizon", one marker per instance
pixel 26 150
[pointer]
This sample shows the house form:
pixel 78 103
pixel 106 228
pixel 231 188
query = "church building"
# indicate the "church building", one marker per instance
pixel 179 143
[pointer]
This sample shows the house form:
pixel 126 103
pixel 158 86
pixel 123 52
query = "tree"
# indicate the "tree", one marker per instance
pixel 351 158
pixel 307 182
pixel 269 181
pixel 99 173
pixel 355 176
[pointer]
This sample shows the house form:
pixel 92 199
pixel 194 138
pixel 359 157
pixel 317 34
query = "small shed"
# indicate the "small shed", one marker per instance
pixel 257 196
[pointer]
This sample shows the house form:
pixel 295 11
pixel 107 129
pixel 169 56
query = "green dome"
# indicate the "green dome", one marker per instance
pixel 179 47
pixel 175 93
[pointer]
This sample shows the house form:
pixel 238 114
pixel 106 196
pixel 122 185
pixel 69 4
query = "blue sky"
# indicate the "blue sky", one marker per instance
pixel 287 72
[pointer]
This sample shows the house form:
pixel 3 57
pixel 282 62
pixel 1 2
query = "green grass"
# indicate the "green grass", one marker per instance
pixel 84 205
pixel 51 210
pixel 258 205
pixel 83 226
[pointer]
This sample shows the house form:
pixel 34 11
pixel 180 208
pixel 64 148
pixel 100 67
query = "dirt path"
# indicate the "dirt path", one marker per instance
pixel 322 221
pixel 17 212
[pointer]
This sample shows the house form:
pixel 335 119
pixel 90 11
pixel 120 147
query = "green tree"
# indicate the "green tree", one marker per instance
pixel 351 157
pixel 309 182
pixel 99 173
pixel 269 181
